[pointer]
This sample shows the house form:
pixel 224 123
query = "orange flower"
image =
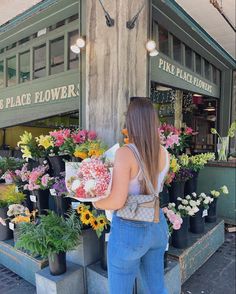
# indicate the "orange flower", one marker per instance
pixel 80 154
pixel 126 140
pixel 124 132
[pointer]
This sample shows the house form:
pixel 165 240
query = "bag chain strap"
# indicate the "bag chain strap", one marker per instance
pixel 140 163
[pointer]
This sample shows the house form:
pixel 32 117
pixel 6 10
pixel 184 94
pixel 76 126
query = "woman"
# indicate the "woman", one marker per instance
pixel 137 248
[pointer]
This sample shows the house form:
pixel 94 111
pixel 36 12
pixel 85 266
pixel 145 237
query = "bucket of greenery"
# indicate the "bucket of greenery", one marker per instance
pixel 8 195
pixel 52 237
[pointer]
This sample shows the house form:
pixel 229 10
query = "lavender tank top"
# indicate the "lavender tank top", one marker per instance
pixel 134 184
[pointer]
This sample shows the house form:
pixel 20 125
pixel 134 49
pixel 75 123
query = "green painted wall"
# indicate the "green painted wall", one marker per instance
pixel 212 178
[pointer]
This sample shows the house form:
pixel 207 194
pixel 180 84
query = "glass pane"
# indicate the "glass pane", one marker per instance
pixel 24 67
pixel 40 61
pixel 207 69
pixel 57 55
pixel 177 49
pixel 188 57
pixel 163 40
pixel 198 64
pixel 73 57
pixel 214 74
pixel 1 74
pixel 11 71
pixel 73 17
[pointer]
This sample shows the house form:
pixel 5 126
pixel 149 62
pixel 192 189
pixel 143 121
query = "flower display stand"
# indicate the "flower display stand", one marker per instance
pixel 19 262
pixel 200 248
pixel 71 282
pixel 97 280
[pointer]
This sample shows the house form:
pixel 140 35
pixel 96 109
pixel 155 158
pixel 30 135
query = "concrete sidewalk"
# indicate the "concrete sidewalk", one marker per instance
pixel 216 276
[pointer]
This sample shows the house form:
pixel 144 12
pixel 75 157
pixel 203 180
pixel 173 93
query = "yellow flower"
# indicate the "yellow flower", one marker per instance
pixel 95 224
pixel 213 131
pixel 45 141
pixel 26 152
pixel 80 154
pixel 25 139
pixel 21 219
pixel 102 220
pixel 80 208
pixel 86 217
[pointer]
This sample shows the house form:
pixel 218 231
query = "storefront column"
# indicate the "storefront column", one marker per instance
pixel 116 64
pixel 178 108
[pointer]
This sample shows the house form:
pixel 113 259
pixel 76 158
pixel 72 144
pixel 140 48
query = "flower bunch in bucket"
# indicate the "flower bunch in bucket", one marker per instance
pixel 173 218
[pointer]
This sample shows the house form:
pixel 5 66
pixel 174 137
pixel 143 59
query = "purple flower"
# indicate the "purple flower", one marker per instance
pixel 60 187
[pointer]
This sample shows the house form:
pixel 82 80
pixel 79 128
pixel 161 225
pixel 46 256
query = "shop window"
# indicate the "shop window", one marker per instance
pixel 188 57
pixel 198 64
pixel 1 74
pixel 22 41
pixel 73 17
pixel 11 46
pixel 163 40
pixel 40 61
pixel 57 25
pixel 207 69
pixel 214 74
pixel 73 57
pixel 11 71
pixel 24 67
pixel 57 55
pixel 176 49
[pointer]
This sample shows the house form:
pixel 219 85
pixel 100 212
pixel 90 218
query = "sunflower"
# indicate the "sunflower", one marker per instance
pixel 102 221
pixel 80 208
pixel 95 224
pixel 86 217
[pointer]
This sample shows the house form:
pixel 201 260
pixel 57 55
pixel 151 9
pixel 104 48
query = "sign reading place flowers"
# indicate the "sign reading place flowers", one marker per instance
pixel 168 72
pixel 39 99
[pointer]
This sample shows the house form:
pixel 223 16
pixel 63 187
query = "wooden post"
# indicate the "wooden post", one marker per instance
pixel 116 64
pixel 178 108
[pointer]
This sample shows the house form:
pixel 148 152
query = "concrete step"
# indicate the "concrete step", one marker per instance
pixel 97 280
pixel 201 247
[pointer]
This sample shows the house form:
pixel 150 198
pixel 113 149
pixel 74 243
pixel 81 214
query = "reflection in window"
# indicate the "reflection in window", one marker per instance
pixel 177 49
pixel 57 55
pixel 40 61
pixel 1 74
pixel 163 40
pixel 73 57
pixel 11 71
pixel 207 69
pixel 188 57
pixel 198 64
pixel 214 75
pixel 24 67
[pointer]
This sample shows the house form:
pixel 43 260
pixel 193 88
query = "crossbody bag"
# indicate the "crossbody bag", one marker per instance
pixel 141 207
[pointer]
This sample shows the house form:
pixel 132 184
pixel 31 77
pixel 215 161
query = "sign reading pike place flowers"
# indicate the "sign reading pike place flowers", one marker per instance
pixel 40 97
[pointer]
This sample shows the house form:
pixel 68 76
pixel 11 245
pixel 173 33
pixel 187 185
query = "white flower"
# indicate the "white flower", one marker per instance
pixel 192 203
pixel 180 207
pixel 90 185
pixel 206 201
pixel 224 189
pixel 188 208
pixel 203 195
pixel 194 194
pixel 75 185
pixel 215 193
pixel 184 201
pixel 188 197
pixel 179 198
pixel 195 209
pixel 172 204
pixel 198 202
pixel 191 212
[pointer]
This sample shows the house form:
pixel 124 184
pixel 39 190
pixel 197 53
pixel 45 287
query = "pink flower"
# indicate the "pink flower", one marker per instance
pixel 165 209
pixel 188 131
pixel 92 135
pixel 45 179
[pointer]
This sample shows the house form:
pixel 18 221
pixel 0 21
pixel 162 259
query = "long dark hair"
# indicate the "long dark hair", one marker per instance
pixel 142 124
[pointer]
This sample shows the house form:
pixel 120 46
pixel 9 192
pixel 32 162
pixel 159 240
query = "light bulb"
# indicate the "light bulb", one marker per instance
pixel 150 45
pixel 80 42
pixel 154 53
pixel 75 49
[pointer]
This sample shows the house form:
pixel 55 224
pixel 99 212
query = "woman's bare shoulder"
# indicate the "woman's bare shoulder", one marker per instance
pixel 123 152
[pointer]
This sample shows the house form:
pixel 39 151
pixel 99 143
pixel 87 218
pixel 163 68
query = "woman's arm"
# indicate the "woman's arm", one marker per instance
pixel 120 182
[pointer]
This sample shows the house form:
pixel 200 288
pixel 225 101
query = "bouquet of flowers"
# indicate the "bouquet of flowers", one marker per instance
pixel 170 136
pixel 197 162
pixel 38 179
pixel 173 218
pixel 223 190
pixel 98 222
pixel 60 187
pixel 92 180
pixel 20 214
pixel 89 149
pixel 9 176
pixel 187 206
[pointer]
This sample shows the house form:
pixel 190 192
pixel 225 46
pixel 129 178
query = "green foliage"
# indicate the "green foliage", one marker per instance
pixel 53 234
pixel 10 196
pixel 10 163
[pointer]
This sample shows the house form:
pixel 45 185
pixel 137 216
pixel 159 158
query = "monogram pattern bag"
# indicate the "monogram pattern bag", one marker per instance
pixel 141 207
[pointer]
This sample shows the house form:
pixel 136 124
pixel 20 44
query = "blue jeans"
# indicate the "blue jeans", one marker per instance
pixel 137 249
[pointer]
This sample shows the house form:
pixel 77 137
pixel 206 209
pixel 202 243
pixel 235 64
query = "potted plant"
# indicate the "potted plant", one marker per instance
pixel 38 183
pixel 9 195
pixel 52 238
pixel 99 224
pixel 195 163
pixel 174 221
pixel 197 221
pixel 211 216
pixel 17 214
pixel 59 193
pixel 223 142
